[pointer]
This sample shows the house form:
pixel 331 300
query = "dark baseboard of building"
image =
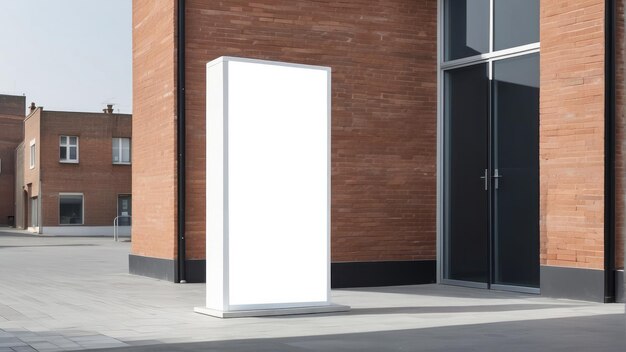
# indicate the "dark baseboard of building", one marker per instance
pixel 166 269
pixel 572 283
pixel 619 286
pixel 388 273
pixel 343 275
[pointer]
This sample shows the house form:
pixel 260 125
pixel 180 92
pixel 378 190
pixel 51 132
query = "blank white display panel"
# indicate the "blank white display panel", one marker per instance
pixel 268 185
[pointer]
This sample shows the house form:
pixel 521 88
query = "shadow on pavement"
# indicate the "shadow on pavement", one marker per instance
pixel 439 309
pixel 603 333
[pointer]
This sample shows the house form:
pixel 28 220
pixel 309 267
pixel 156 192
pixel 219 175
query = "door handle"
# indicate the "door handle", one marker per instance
pixel 497 177
pixel 486 179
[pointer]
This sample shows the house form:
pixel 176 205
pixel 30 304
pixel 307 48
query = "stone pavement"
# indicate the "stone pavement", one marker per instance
pixel 68 293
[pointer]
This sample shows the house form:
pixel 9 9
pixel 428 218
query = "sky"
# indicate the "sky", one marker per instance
pixel 67 55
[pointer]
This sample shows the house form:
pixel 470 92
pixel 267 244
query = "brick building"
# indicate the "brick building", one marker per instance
pixel 73 172
pixel 12 109
pixel 476 142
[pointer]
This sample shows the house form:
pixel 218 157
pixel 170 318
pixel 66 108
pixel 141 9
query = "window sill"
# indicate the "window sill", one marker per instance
pixel 68 161
pixel 122 163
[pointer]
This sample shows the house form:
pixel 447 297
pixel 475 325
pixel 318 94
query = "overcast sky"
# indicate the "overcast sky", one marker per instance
pixel 72 55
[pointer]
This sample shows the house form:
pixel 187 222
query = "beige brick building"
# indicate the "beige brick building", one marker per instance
pixel 473 145
pixel 73 172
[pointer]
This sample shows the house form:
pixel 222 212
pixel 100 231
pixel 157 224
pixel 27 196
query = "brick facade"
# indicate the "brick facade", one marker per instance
pixel 154 126
pixel 572 133
pixel 383 60
pixel 14 105
pixel 383 57
pixel 95 176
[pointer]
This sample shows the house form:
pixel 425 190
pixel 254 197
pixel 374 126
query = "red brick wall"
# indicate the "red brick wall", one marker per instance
pixel 20 199
pixel 154 128
pixel 12 105
pixel 572 133
pixel 94 175
pixel 383 60
pixel 10 137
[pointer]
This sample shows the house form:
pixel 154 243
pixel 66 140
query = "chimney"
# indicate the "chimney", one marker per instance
pixel 32 107
pixel 109 109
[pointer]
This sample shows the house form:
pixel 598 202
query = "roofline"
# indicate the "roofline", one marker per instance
pixel 85 112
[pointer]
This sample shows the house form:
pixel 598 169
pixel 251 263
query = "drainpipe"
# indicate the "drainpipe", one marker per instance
pixel 609 154
pixel 180 107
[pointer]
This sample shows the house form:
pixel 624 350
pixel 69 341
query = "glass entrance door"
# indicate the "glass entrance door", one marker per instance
pixel 489 99
pixel 491 174
pixel 124 209
pixel 515 165
pixel 466 179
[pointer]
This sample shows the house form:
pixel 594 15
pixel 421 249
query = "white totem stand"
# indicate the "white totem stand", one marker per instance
pixel 267 189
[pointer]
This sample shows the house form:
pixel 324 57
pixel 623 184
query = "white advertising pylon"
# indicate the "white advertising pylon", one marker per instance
pixel 267 189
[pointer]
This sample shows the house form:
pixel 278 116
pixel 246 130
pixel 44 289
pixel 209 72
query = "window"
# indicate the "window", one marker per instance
pixel 70 208
pixel 121 150
pixel 68 149
pixel 34 212
pixel 516 22
pixel 482 29
pixel 467 28
pixel 32 154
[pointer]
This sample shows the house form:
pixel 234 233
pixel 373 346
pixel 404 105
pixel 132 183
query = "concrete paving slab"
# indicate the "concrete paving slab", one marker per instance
pixel 71 292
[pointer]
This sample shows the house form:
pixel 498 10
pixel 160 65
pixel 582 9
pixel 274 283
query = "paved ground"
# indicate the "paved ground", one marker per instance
pixel 68 293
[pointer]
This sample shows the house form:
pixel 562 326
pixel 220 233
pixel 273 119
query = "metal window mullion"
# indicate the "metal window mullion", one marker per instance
pixel 491 25
pixel 498 55
pixel 440 254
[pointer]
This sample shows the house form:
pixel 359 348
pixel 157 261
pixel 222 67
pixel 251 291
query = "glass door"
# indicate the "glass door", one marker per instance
pixel 516 171
pixel 466 177
pixel 124 209
pixel 491 174
pixel 490 148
